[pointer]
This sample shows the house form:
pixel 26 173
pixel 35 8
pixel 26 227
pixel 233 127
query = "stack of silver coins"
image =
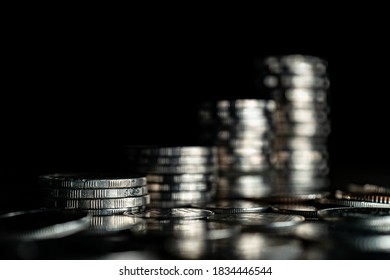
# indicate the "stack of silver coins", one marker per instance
pixel 299 85
pixel 176 175
pixel 97 194
pixel 241 129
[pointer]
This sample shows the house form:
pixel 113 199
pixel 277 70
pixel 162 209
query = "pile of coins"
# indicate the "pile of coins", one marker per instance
pixel 241 129
pixel 176 176
pixel 105 197
pixel 299 85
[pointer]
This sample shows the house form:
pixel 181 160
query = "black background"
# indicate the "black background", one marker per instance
pixel 72 97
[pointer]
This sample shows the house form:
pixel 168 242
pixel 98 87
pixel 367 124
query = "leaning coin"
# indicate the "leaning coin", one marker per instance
pixel 349 203
pixel 73 193
pixel 42 224
pixel 97 203
pixel 339 194
pixel 91 180
pixel 173 213
pixel 236 206
pixel 368 189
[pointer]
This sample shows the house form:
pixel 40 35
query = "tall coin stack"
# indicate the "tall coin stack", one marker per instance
pixel 241 129
pixel 177 175
pixel 299 85
pixel 104 196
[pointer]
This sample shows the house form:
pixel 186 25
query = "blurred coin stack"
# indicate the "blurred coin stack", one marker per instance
pixel 241 129
pixel 97 194
pixel 176 175
pixel 299 85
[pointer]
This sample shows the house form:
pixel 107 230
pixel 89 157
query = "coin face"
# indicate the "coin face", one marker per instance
pixel 174 213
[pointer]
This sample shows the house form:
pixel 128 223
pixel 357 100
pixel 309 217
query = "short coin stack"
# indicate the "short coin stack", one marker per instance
pixel 97 194
pixel 176 175
pixel 299 85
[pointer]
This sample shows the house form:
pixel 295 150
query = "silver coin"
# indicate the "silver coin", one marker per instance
pixel 262 220
pixel 243 151
pixel 307 211
pixel 350 203
pixel 296 81
pixel 176 203
pixel 300 143
pixel 181 178
pixel 42 224
pixel 183 196
pixel 177 169
pixel 178 151
pixel 73 193
pixel 376 198
pixel 303 129
pixel 236 206
pixel 173 213
pixel 300 98
pixel 184 160
pixel 97 203
pixel 245 103
pixel 368 189
pixel 294 198
pixel 107 211
pixel 180 187
pixel 301 116
pixel 296 64
pixel 91 180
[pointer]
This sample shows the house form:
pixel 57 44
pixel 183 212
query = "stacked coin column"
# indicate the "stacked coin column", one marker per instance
pixel 299 85
pixel 242 132
pixel 176 176
pixel 104 196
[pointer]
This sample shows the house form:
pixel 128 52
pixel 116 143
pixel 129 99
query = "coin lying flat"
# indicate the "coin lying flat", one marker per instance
pixel 307 211
pixel 262 220
pixel 42 224
pixel 236 206
pixel 173 213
